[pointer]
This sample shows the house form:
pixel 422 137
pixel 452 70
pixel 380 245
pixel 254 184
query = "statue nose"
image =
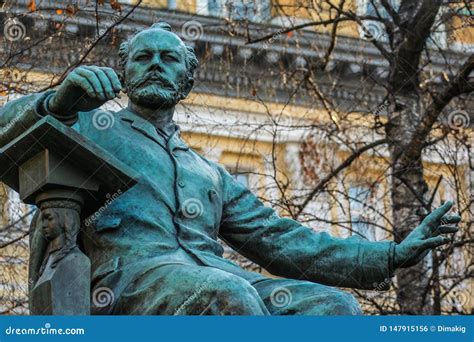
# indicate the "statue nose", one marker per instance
pixel 156 65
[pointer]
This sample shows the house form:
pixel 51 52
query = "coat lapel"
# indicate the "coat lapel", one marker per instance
pixel 175 142
pixel 143 126
pixel 149 131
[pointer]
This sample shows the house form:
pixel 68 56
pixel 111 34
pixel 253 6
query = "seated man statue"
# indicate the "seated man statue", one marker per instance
pixel 155 248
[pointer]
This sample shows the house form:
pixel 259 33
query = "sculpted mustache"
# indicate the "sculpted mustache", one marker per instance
pixel 148 77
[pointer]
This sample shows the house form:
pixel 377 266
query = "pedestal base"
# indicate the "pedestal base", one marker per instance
pixel 65 289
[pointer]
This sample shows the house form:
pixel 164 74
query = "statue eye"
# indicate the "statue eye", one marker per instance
pixel 170 58
pixel 140 58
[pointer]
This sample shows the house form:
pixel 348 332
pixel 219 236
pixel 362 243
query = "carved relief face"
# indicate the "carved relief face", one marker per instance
pixel 155 73
pixel 50 224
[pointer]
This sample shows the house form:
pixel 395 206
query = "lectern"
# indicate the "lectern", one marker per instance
pixel 68 177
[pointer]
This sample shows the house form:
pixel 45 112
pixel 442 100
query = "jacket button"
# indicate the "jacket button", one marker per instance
pixel 181 184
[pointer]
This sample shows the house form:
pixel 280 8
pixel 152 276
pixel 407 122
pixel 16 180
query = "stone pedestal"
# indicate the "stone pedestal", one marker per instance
pixel 67 177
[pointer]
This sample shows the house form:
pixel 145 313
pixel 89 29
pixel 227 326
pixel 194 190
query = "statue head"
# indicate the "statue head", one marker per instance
pixel 60 223
pixel 51 225
pixel 156 67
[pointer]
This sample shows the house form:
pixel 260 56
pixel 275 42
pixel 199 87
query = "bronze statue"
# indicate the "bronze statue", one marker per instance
pixel 155 248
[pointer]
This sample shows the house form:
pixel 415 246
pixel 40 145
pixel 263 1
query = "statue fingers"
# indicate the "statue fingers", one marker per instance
pixel 447 224
pixel 434 242
pixel 113 78
pixel 83 83
pixel 94 81
pixel 433 219
pixel 104 80
pixel 445 229
pixel 450 219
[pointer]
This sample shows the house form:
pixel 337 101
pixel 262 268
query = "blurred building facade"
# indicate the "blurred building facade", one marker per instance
pixel 243 112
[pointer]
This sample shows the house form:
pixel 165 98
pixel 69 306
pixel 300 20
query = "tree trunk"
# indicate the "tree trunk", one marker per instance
pixel 408 189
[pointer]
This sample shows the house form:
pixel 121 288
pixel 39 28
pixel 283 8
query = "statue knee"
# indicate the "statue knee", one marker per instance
pixel 344 303
pixel 232 295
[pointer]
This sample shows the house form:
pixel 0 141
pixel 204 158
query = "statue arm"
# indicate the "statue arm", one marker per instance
pixel 289 249
pixel 84 89
pixel 18 115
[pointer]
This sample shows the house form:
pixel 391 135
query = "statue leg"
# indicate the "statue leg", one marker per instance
pixel 189 290
pixel 297 297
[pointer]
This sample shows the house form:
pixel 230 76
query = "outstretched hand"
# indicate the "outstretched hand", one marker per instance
pixel 426 237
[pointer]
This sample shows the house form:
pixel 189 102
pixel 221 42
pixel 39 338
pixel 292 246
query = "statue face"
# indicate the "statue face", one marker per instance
pixel 51 226
pixel 155 73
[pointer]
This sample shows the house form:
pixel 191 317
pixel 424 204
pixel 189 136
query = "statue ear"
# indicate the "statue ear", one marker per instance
pixel 122 80
pixel 187 88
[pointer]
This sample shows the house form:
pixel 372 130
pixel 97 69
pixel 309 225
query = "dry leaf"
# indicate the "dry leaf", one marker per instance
pixel 115 5
pixel 71 10
pixel 32 6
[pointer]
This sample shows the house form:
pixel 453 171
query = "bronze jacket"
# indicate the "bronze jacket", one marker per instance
pixel 183 202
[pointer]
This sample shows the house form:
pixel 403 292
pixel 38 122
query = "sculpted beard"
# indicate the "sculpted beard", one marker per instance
pixel 154 91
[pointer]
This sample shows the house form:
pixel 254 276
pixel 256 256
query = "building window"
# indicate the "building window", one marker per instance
pixel 241 177
pixel 240 9
pixel 372 29
pixel 460 36
pixel 172 4
pixel 375 30
pixel 376 9
pixel 361 225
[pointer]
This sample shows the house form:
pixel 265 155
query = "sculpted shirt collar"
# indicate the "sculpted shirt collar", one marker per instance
pixel 158 134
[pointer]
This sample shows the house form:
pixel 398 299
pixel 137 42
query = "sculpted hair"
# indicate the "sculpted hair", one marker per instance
pixel 190 57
